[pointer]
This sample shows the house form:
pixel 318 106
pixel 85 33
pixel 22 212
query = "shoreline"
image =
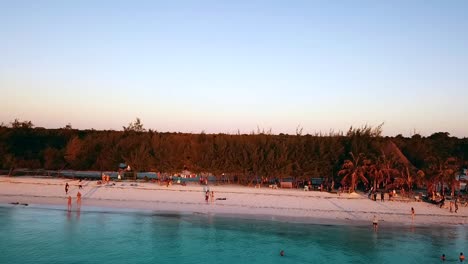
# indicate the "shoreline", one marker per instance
pixel 284 205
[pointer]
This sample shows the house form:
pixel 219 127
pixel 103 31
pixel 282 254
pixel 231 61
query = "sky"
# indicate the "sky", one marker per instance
pixel 229 66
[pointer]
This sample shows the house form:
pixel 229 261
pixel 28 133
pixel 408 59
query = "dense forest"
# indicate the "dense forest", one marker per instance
pixel 359 156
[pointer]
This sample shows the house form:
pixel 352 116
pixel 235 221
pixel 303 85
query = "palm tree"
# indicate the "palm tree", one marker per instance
pixel 353 171
pixel 442 171
pixel 409 179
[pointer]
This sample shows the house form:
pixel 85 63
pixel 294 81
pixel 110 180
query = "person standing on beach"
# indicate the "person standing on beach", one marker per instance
pixel 382 197
pixel 375 223
pixel 412 214
pixel 69 203
pixel 78 199
pixel 212 196
pixel 66 188
pixel 456 204
pixel 207 195
pixel 442 202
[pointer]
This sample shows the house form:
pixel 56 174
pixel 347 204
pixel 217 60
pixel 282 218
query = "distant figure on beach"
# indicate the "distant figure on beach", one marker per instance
pixel 69 203
pixel 456 204
pixel 442 202
pixel 66 188
pixel 207 195
pixel 375 223
pixel 212 196
pixel 412 214
pixel 382 198
pixel 79 185
pixel 78 199
pixel 442 257
pixel 282 253
pixel 462 257
pixel 375 196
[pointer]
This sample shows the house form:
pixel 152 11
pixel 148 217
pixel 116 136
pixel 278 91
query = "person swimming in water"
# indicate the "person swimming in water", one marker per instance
pixel 282 253
pixel 442 257
pixel 462 257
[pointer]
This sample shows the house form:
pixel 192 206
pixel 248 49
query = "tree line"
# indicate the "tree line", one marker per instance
pixel 361 156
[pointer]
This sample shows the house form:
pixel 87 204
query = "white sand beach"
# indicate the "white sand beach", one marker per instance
pixel 263 203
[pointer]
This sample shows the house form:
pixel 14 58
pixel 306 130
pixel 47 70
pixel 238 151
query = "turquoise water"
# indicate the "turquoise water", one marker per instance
pixel 38 235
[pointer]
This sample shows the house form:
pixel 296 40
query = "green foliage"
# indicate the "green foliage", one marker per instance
pixel 424 160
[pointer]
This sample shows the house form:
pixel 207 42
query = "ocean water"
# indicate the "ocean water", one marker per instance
pixel 41 235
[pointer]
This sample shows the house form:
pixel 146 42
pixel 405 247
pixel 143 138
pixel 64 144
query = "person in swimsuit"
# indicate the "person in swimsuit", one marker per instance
pixel 375 223
pixel 69 203
pixel 462 257
pixel 282 253
pixel 442 257
pixel 412 214
pixel 66 188
pixel 78 199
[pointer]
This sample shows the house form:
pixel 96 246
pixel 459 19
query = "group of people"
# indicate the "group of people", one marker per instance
pixel 78 201
pixel 461 257
pixel 375 220
pixel 78 197
pixel 372 194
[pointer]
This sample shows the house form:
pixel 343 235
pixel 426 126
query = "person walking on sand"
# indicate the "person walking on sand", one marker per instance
pixel 207 195
pixel 212 196
pixel 442 202
pixel 69 203
pixel 66 188
pixel 78 199
pixel 412 214
pixel 382 197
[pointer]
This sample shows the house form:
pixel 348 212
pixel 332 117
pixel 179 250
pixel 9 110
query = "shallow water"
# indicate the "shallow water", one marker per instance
pixel 36 235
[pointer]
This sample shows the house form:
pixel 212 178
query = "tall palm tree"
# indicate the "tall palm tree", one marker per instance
pixel 441 171
pixel 409 178
pixel 353 170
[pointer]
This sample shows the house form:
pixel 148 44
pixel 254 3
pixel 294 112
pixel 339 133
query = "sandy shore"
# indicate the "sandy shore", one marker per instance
pixel 264 203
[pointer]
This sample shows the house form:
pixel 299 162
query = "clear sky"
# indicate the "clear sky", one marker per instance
pixel 220 66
